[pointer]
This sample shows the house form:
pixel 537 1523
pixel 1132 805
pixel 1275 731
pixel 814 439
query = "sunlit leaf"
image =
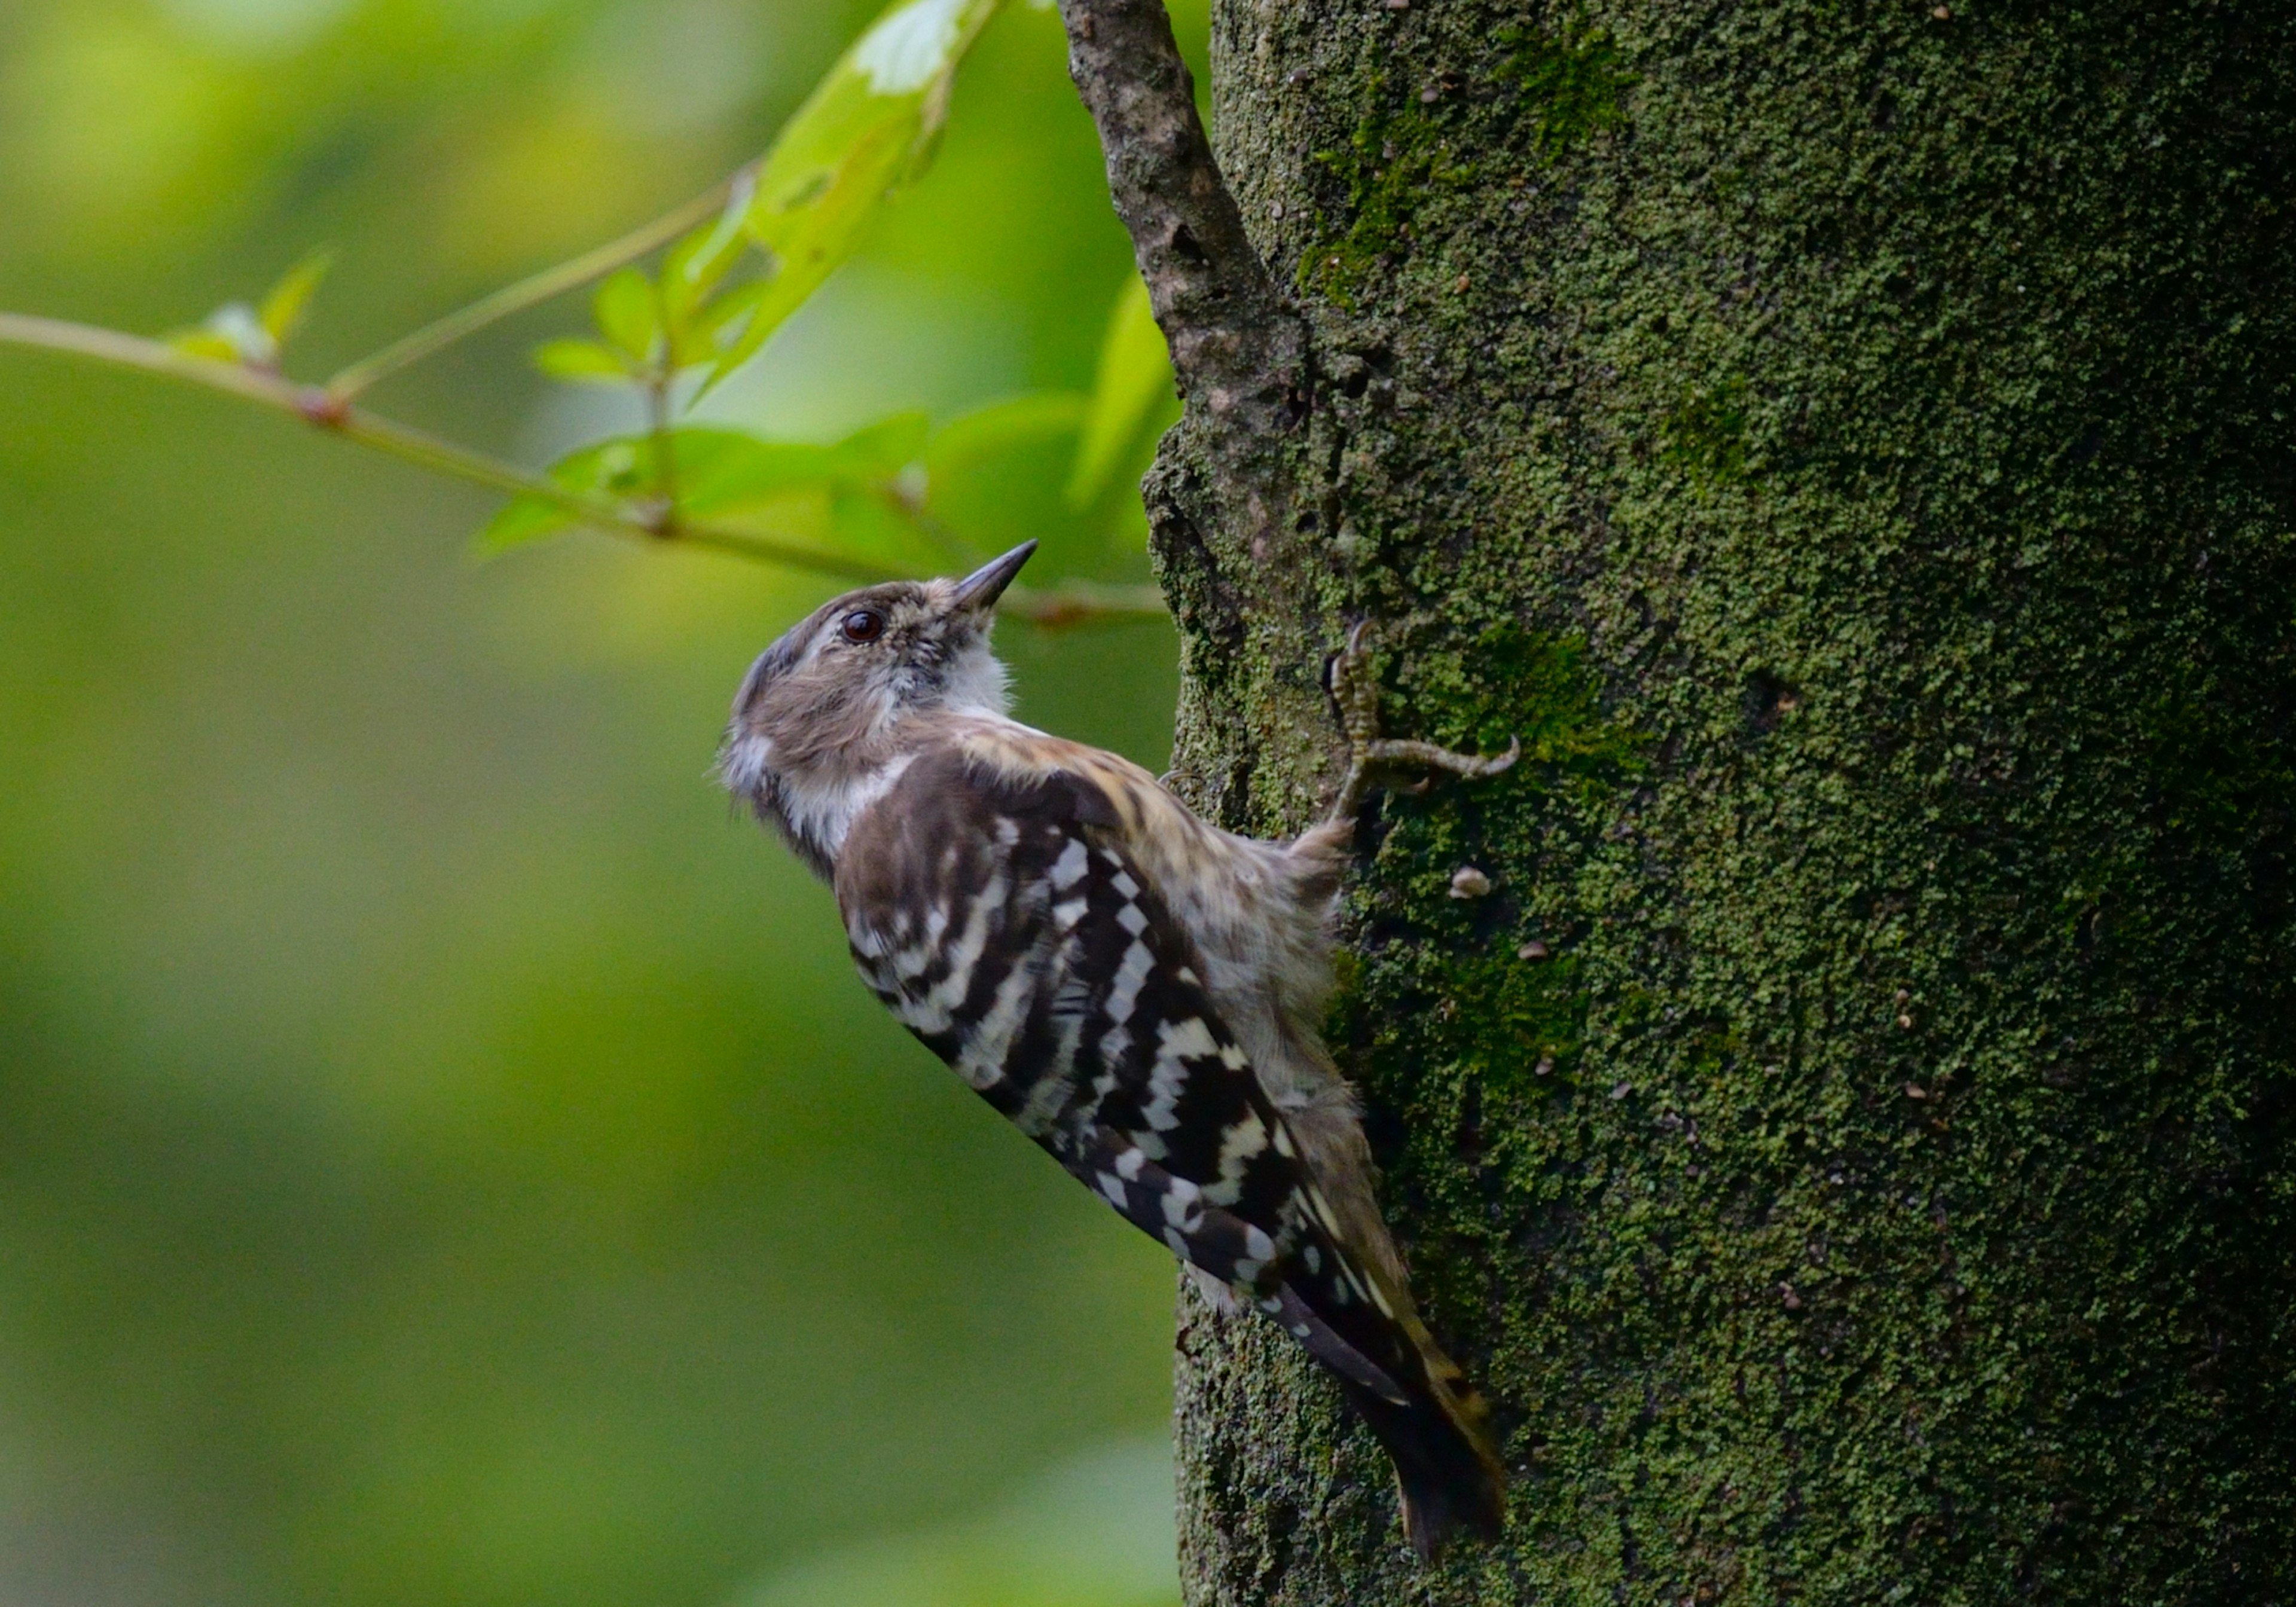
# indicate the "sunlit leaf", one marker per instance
pixel 615 468
pixel 722 470
pixel 864 522
pixel 583 362
pixel 204 343
pixel 524 519
pixel 1133 385
pixel 698 319
pixel 694 267
pixel 627 315
pixel 232 333
pixel 699 334
pixel 866 129
pixel 287 301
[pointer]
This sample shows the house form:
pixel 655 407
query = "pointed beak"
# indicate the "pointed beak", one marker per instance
pixel 977 592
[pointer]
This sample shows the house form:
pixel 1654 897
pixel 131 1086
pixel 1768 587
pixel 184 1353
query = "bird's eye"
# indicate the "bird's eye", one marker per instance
pixel 862 625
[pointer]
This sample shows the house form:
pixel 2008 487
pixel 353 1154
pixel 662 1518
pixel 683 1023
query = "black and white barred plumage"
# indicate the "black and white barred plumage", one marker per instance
pixel 1135 990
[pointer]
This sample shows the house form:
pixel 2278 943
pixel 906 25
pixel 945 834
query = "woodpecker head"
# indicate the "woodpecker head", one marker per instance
pixel 818 723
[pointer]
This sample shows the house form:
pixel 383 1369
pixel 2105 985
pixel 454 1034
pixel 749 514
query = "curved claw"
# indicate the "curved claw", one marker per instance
pixel 1355 692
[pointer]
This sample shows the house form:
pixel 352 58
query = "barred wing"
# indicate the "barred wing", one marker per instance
pixel 1002 921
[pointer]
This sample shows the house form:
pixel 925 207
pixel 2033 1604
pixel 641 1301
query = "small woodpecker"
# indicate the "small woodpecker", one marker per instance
pixel 1137 991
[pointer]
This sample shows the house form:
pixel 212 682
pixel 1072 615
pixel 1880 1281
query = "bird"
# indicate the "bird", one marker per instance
pixel 1136 989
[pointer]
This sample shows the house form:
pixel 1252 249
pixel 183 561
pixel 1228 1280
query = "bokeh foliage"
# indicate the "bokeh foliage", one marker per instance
pixel 443 1154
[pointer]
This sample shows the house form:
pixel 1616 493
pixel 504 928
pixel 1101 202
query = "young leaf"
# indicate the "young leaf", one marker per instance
pixel 205 342
pixel 866 129
pixel 583 363
pixel 723 470
pixel 626 314
pixel 696 265
pixel 865 522
pixel 1135 382
pixel 287 301
pixel 698 334
pixel 692 271
pixel 610 467
pixel 233 333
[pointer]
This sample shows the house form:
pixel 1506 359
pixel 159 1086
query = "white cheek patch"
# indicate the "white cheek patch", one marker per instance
pixel 977 683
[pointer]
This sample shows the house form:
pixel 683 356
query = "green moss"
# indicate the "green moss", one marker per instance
pixel 1485 986
pixel 1394 164
pixel 1547 93
pixel 1508 682
pixel 1571 85
pixel 1705 437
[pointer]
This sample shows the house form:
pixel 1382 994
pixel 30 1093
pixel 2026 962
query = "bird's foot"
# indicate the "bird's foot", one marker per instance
pixel 1373 757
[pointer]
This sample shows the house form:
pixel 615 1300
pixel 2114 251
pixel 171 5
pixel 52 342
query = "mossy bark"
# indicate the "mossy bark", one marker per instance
pixel 1853 1142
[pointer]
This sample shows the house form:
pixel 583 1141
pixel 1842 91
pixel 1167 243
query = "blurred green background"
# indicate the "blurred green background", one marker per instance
pixel 444 1155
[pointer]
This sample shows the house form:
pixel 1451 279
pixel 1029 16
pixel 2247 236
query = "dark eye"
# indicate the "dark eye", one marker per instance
pixel 862 625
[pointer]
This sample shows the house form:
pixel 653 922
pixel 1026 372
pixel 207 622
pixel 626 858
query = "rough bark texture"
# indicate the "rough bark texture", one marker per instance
pixel 1855 1141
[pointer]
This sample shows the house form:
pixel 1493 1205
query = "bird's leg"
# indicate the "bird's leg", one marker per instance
pixel 1371 755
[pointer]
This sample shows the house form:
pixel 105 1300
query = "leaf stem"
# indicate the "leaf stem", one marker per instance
pixel 532 291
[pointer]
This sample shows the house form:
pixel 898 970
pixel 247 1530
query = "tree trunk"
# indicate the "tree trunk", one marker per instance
pixel 1852 1142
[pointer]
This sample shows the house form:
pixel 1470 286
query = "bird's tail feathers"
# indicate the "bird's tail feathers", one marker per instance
pixel 1446 1469
pixel 1434 1425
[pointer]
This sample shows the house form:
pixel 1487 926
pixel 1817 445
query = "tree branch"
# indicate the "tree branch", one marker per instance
pixel 316 407
pixel 1069 603
pixel 1239 349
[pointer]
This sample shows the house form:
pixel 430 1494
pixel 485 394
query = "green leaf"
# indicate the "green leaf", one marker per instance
pixel 1001 427
pixel 867 129
pixel 693 270
pixel 994 477
pixel 204 343
pixel 287 301
pixel 627 314
pixel 715 471
pixel 233 333
pixel 694 267
pixel 879 451
pixel 583 363
pixel 865 522
pixel 849 497
pixel 1133 385
pixel 609 468
pixel 723 470
pixel 699 334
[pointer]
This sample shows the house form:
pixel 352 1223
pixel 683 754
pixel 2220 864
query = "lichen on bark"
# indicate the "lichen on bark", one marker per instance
pixel 1853 445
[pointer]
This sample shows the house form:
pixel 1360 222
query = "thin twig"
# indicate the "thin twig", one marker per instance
pixel 318 406
pixel 153 357
pixel 662 422
pixel 1083 602
pixel 532 292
